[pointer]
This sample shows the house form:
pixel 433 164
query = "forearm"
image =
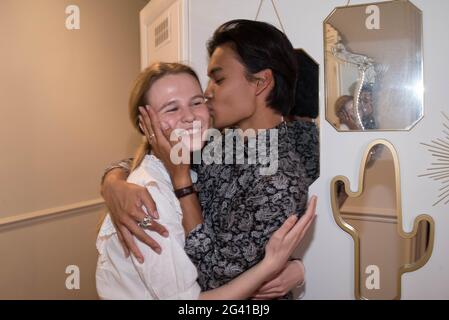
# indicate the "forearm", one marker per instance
pixel 206 248
pixel 192 215
pixel 300 272
pixel 124 164
pixel 190 205
pixel 211 242
pixel 242 287
pixel 112 177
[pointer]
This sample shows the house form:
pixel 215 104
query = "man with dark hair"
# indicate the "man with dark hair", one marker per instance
pixel 306 104
pixel 252 71
pixel 260 46
pixel 366 107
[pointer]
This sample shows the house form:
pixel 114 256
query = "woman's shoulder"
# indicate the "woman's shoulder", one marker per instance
pixel 149 170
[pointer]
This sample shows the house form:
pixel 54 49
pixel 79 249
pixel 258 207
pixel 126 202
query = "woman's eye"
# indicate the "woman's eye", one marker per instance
pixel 199 102
pixel 219 81
pixel 172 109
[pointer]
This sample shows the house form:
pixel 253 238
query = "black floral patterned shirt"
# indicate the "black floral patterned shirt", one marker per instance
pixel 242 208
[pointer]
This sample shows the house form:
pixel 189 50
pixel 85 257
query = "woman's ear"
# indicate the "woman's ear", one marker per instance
pixel 264 81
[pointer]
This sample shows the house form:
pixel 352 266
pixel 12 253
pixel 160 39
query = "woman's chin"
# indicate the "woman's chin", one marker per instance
pixel 193 144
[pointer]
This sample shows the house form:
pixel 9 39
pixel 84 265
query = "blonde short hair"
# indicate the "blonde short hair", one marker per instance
pixel 341 103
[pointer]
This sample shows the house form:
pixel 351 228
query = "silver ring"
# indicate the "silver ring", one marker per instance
pixel 146 222
pixel 151 137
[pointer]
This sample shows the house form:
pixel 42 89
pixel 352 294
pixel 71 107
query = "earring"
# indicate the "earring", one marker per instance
pixel 208 97
pixel 285 123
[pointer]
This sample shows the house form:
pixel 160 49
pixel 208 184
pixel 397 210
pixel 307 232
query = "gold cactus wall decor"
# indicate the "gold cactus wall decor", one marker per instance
pixel 373 217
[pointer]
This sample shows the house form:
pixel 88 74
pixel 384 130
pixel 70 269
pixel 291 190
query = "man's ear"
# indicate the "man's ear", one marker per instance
pixel 264 81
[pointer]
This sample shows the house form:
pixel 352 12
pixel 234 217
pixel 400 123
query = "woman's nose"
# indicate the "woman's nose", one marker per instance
pixel 188 115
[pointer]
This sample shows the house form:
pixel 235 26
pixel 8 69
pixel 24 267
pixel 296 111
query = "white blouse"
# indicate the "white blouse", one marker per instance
pixel 170 275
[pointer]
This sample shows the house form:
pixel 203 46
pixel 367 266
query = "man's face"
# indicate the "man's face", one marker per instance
pixel 366 102
pixel 231 97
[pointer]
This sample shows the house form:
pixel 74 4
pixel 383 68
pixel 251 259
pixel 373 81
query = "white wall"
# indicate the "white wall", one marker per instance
pixel 53 150
pixel 329 259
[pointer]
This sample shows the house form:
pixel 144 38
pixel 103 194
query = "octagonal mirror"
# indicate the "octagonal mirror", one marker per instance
pixel 374 66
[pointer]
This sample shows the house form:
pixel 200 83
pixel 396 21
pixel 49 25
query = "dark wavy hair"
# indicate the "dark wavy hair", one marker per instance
pixel 307 87
pixel 259 46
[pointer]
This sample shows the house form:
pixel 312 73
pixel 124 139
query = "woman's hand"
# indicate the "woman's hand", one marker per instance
pixel 125 202
pixel 158 135
pixel 287 238
pixel 292 275
pixel 348 120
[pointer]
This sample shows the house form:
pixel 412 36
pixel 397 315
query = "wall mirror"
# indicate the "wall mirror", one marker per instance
pixel 373 217
pixel 374 66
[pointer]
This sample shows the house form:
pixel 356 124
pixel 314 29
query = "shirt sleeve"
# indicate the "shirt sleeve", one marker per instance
pixel 169 275
pixel 233 241
pixel 124 164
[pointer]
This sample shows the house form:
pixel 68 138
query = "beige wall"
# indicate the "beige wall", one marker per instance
pixel 63 102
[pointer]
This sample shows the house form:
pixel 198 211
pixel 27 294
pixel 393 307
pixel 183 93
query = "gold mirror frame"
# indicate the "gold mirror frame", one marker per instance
pixel 394 83
pixel 354 233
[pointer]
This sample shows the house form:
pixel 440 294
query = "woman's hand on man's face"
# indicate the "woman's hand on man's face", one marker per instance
pixel 125 202
pixel 158 135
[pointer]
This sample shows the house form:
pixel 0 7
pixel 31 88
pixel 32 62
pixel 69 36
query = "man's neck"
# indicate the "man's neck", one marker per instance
pixel 263 118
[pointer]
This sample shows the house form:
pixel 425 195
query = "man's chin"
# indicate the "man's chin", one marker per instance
pixel 216 124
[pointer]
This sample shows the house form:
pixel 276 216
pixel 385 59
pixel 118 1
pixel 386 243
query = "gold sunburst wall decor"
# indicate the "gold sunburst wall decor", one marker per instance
pixel 439 169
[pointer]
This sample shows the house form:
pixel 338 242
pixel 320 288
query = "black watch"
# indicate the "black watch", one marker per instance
pixel 179 193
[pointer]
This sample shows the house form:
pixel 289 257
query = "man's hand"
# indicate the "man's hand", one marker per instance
pixel 126 203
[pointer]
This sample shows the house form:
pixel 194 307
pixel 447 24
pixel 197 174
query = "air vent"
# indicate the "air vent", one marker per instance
pixel 161 33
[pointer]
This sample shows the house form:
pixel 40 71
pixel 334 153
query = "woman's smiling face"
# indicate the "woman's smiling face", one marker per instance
pixel 179 102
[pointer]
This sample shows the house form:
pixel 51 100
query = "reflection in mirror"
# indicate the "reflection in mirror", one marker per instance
pixel 373 217
pixel 373 66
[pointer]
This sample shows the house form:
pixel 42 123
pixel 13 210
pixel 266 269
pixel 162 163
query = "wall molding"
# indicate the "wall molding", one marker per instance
pixel 74 207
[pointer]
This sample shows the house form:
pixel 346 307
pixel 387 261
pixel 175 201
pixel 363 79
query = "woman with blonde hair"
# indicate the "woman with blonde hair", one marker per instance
pixel 173 92
pixel 346 113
